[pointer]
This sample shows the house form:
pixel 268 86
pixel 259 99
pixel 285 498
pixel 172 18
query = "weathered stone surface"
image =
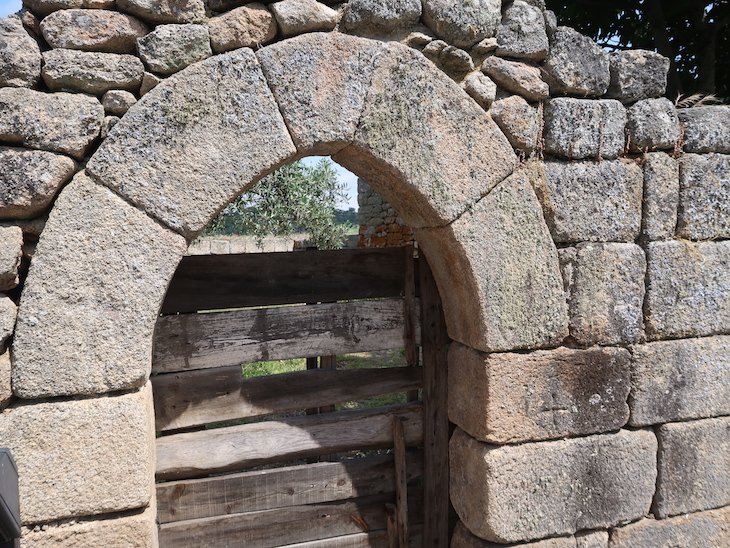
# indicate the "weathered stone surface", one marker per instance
pixel 374 17
pixel 321 109
pixel 516 77
pixel 522 33
pixel 661 196
pixel 462 24
pixel 653 125
pixel 91 72
pixel 246 27
pixel 576 65
pixel 638 74
pixel 688 292
pixel 434 49
pixel 605 285
pixel 431 150
pixel 57 122
pixel 551 22
pixel 455 61
pixel 44 7
pixel 704 196
pixel 680 380
pixel 6 392
pixel 8 313
pixel 195 141
pixel 149 82
pixel 136 531
pixel 117 102
pixel 109 123
pixel 462 538
pixel 11 243
pixel 516 493
pixel 706 128
pixel 29 179
pixel 82 457
pixel 488 45
pixel 418 39
pixel 694 467
pixel 583 128
pixel 92 30
pixel 482 89
pixel 519 122
pixel 171 48
pixel 20 56
pixel 165 11
pixel 512 398
pixel 498 271
pixel 592 201
pixel 300 16
pixel 121 261
pixel 708 529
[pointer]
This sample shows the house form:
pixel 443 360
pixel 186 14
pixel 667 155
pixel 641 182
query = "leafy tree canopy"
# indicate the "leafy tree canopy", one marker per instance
pixel 294 198
pixel 692 33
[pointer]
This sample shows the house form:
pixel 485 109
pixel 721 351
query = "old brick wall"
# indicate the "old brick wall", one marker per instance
pixel 588 292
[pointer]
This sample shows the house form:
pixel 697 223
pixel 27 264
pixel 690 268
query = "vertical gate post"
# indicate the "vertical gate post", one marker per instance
pixel 435 342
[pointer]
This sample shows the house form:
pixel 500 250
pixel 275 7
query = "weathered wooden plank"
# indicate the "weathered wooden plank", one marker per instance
pixel 196 454
pixel 374 539
pixel 279 487
pixel 401 482
pixel 266 279
pixel 411 315
pixel 435 342
pixel 198 341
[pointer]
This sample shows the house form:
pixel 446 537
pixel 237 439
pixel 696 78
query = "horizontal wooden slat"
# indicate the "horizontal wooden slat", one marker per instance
pixel 200 341
pixel 279 527
pixel 208 282
pixel 279 487
pixel 193 398
pixel 196 454
pixel 375 539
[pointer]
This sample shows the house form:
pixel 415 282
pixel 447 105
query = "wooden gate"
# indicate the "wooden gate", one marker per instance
pixel 268 461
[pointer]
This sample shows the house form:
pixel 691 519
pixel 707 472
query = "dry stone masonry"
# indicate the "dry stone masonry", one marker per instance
pixel 577 222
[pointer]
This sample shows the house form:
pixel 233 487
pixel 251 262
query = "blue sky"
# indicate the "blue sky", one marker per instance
pixel 9 6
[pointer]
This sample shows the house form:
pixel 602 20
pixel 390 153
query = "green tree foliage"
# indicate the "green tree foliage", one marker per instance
pixel 692 33
pixel 294 198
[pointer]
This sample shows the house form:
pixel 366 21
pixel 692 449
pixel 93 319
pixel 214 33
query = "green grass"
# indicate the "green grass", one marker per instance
pixel 260 369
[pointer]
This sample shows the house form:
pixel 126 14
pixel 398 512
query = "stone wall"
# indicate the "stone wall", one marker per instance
pixel 380 225
pixel 585 269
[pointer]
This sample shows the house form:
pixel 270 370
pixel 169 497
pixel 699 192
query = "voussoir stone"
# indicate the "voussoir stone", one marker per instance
pixel 11 251
pixel 661 196
pixel 638 74
pixel 20 56
pixel 431 150
pixel 498 271
pixel 92 30
pixel 90 71
pixel 688 291
pixel 171 48
pixel 138 530
pixel 462 538
pixel 512 398
pixel 704 196
pixel 653 125
pixel 680 380
pixel 576 65
pixel 463 24
pixel 585 128
pixel 706 128
pixel 195 141
pixel 592 201
pixel 117 102
pixel 8 313
pixel 57 122
pixel 519 122
pixel 605 285
pixel 96 245
pixel 374 17
pixel 522 34
pixel 300 16
pixel 29 180
pixel 246 27
pixel 165 11
pixel 709 529
pixel 693 467
pixel 82 457
pixel 534 490
pixel 520 78
pixel 321 109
